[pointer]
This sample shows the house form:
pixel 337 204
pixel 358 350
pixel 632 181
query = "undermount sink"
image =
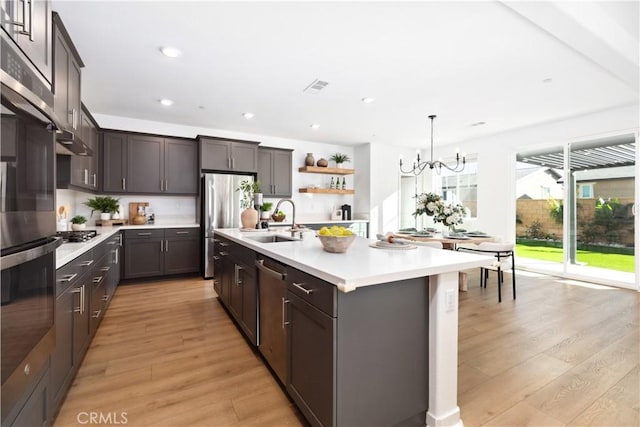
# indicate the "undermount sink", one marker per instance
pixel 271 238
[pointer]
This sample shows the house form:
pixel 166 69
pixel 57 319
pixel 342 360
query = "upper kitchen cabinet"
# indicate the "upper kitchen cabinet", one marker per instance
pixel 274 171
pixel 66 78
pixel 219 154
pixel 146 164
pixel 180 166
pixel 84 169
pixel 28 23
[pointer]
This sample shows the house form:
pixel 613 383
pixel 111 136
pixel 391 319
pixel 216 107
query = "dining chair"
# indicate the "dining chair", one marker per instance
pixel 504 254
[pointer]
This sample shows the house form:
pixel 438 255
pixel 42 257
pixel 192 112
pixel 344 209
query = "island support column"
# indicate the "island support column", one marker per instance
pixel 443 351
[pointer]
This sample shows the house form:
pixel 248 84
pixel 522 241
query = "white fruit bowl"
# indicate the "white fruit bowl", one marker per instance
pixel 336 244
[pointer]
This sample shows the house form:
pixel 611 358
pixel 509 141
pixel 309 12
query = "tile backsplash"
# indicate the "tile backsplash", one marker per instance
pixel 167 209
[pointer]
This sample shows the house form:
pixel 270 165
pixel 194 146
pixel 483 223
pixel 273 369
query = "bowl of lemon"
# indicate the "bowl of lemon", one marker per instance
pixel 336 239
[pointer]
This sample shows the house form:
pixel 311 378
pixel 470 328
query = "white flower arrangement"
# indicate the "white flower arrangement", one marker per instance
pixel 432 205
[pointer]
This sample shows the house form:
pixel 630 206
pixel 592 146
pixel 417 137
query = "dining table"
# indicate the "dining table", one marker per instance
pixel 449 243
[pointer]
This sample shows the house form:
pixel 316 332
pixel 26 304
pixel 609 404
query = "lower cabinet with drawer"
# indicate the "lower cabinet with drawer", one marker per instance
pixel 82 293
pixel 157 252
pixel 236 283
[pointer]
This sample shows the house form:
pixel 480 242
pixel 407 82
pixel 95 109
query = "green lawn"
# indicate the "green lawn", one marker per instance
pixel 595 259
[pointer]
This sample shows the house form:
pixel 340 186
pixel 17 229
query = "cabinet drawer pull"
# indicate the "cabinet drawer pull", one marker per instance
pixel 97 280
pixel 302 288
pixel 86 263
pixel 223 253
pixel 216 258
pixel 183 232
pixel 85 180
pixel 124 183
pixel 68 278
pixel 166 245
pixel 284 303
pixel 95 179
pixel 145 234
pixel 97 314
pixel 238 269
pixel 105 298
pixel 216 240
pixel 105 269
pixel 224 244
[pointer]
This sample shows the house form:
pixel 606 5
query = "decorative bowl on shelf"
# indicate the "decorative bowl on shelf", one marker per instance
pixel 336 244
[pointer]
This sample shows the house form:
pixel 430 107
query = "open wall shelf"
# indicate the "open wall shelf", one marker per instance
pixel 328 171
pixel 325 190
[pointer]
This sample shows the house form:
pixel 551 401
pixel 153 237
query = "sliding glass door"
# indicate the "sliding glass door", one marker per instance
pixel 589 227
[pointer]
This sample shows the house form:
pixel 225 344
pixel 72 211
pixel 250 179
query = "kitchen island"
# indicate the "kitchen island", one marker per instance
pixel 381 336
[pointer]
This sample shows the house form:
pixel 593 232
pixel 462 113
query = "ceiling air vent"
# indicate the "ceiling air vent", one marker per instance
pixel 316 86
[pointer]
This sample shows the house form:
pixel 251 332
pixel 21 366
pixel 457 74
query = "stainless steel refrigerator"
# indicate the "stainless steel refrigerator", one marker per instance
pixel 220 209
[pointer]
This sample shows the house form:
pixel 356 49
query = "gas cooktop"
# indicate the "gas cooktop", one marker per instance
pixel 76 236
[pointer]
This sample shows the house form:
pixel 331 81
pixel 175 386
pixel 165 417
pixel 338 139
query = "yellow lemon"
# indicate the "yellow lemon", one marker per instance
pixel 324 231
pixel 347 232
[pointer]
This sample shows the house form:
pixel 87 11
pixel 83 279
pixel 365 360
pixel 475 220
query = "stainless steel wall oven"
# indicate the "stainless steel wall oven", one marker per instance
pixel 27 225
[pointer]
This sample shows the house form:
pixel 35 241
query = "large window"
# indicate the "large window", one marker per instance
pixel 461 187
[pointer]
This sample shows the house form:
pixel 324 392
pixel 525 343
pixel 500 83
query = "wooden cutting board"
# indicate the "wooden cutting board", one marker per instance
pixel 133 209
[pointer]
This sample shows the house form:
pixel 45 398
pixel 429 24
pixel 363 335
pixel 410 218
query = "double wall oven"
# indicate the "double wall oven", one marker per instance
pixel 27 225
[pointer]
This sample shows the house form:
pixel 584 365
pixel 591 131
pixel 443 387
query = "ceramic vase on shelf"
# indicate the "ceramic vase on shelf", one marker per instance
pixel 323 163
pixel 249 218
pixel 309 160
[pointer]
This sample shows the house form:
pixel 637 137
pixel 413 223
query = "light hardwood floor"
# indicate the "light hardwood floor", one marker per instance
pixel 563 353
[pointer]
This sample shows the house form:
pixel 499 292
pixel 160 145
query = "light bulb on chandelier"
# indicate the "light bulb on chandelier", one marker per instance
pixel 419 166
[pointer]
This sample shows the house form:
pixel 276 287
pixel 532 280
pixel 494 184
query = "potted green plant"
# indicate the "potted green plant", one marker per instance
pixel 250 193
pixel 264 210
pixel 340 158
pixel 105 204
pixel 78 222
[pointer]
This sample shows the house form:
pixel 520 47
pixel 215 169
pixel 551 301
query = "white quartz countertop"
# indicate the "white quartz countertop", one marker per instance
pixel 67 252
pixel 361 265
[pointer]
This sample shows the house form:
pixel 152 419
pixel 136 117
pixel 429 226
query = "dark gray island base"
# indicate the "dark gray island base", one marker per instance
pixel 364 338
pixel 367 366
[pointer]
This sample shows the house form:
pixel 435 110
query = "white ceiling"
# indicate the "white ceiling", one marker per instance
pixel 467 62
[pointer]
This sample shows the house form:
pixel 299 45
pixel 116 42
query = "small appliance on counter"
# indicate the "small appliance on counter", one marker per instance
pixel 336 214
pixel 346 212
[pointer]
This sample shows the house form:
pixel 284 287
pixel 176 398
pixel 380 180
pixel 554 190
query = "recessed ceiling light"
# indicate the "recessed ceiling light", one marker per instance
pixel 166 102
pixel 314 126
pixel 547 80
pixel 368 100
pixel 248 115
pixel 170 52
pixel 478 123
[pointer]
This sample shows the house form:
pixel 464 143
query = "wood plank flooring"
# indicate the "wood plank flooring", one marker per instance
pixel 564 353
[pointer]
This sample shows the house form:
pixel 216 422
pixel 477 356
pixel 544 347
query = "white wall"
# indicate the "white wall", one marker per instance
pixel 308 206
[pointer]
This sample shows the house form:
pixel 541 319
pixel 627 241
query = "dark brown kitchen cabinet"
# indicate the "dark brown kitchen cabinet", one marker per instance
pixel 147 164
pixel 182 250
pixel 84 169
pixel 312 361
pixel 272 290
pixel 180 166
pixel 31 31
pixel 73 297
pixel 274 171
pixel 66 77
pixel 235 281
pixel 143 253
pixel 219 154
pixel 114 160
pixel 156 252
